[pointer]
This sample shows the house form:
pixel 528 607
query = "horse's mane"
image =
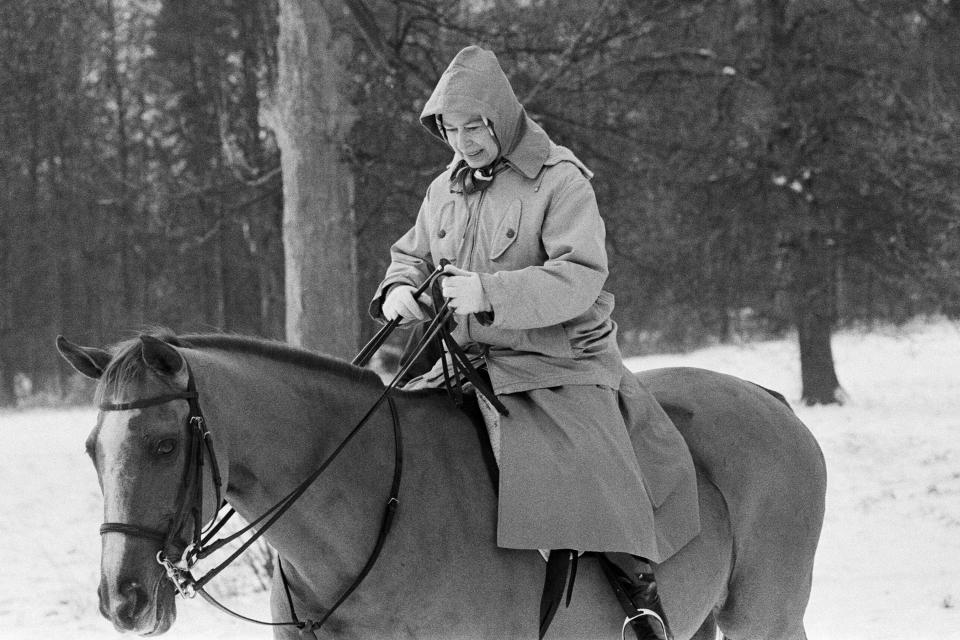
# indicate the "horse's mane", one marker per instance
pixel 127 363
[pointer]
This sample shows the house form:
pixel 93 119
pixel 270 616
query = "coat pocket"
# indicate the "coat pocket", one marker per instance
pixel 507 231
pixel 448 232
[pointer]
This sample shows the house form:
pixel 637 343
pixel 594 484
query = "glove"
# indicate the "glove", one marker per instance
pixel 465 291
pixel 400 303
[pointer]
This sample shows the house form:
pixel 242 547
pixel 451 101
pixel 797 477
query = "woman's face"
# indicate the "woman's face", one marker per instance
pixel 471 138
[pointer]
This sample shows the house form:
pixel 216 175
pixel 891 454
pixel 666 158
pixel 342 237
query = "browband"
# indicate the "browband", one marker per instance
pixel 148 402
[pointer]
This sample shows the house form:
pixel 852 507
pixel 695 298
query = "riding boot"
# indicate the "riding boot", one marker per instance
pixel 632 580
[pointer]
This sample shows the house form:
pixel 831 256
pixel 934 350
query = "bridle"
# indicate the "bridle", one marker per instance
pixel 201 444
pixel 190 495
pixel 190 501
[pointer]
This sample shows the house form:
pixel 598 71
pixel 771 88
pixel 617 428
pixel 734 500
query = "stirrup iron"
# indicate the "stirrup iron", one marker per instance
pixel 628 622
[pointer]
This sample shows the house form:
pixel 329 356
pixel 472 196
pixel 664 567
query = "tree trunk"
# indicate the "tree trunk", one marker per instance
pixel 131 271
pixel 820 384
pixel 218 268
pixel 265 218
pixel 812 252
pixel 311 119
pixel 270 254
pixel 815 311
pixel 7 398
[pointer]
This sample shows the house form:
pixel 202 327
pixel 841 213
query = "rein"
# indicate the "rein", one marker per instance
pixel 201 445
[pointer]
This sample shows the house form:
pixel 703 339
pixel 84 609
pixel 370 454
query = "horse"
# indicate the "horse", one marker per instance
pixel 275 411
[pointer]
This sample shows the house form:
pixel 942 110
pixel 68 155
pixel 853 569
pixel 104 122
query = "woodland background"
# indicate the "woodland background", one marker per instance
pixel 765 167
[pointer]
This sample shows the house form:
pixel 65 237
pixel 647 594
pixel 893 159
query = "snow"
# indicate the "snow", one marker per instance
pixel 49 559
pixel 889 558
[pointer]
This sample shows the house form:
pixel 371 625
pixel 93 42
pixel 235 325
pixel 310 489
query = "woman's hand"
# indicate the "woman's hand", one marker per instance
pixel 400 303
pixel 464 290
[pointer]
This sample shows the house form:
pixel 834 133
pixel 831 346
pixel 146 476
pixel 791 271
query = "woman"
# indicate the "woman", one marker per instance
pixel 517 219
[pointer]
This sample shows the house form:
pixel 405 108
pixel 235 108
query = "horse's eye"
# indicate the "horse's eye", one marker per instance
pixel 166 447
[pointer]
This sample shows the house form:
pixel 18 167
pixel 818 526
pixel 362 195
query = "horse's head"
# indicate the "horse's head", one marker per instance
pixel 142 456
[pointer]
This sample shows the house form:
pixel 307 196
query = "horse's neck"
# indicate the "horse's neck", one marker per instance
pixel 282 424
pixel 278 423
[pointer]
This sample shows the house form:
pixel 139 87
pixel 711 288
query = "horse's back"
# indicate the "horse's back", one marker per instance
pixel 746 440
pixel 771 473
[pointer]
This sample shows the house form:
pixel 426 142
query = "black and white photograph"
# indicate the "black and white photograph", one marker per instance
pixel 480 319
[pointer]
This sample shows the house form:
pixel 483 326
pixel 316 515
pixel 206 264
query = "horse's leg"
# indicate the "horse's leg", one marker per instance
pixel 796 634
pixel 280 608
pixel 770 585
pixel 708 630
pixel 773 571
pixel 802 636
pixel 693 581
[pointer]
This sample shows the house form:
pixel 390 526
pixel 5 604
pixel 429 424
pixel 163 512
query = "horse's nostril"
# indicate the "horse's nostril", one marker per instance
pixel 131 600
pixel 104 602
pixel 129 588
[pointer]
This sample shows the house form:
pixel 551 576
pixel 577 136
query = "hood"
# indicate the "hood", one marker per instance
pixel 475 83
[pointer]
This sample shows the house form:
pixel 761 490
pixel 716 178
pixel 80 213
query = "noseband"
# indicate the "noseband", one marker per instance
pixel 190 495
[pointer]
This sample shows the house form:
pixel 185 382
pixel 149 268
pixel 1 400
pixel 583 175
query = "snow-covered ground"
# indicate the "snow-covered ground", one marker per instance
pixel 889 559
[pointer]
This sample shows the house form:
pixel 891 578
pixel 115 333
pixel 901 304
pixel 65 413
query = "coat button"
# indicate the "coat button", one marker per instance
pixel 442 233
pixel 511 233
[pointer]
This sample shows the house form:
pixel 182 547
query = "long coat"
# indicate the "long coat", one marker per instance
pixel 569 476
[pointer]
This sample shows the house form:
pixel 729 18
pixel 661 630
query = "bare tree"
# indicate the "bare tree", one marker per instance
pixel 311 117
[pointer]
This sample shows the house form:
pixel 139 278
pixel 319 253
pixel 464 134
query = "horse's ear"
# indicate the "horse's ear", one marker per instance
pixel 89 361
pixel 164 360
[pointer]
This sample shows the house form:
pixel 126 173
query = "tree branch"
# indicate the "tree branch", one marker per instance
pixel 372 34
pixel 566 58
pixel 872 17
